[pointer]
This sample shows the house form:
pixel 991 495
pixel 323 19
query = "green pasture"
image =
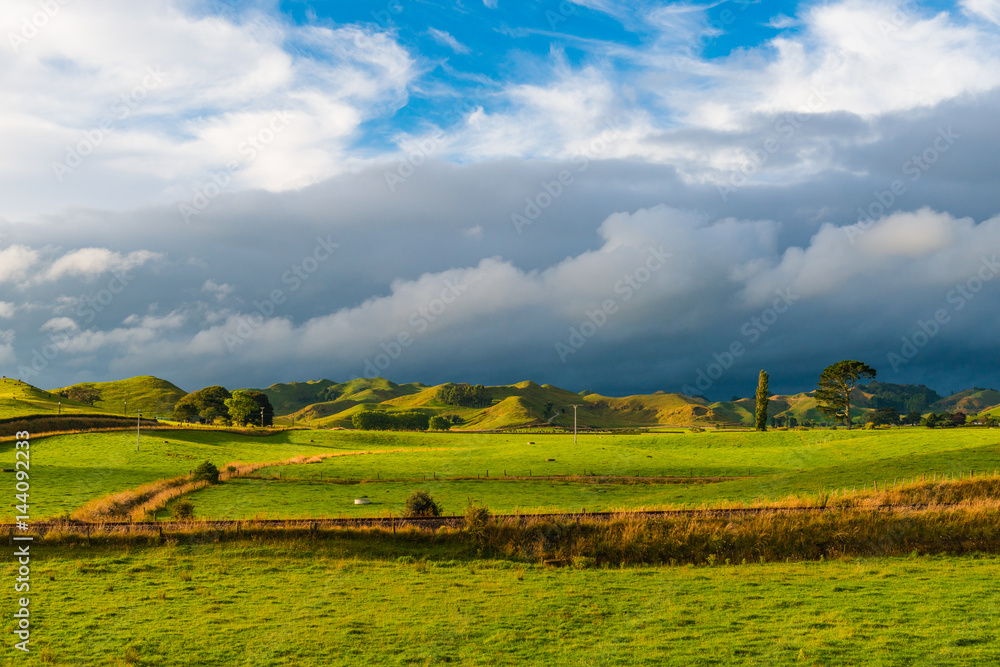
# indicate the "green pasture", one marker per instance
pixel 362 601
pixel 68 470
pixel 770 466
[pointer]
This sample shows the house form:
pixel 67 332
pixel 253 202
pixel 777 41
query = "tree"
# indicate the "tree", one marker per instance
pixel 836 384
pixel 207 404
pixel 262 401
pixel 241 407
pixel 913 417
pixel 466 396
pixel 439 423
pixel 82 394
pixel 883 417
pixel 206 472
pixel 760 413
pixel 420 503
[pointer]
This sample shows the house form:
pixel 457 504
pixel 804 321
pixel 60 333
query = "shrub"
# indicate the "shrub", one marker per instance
pixel 420 503
pixel 476 521
pixel 439 423
pixel 182 510
pixel 206 472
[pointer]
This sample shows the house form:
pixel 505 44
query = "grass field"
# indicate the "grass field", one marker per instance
pixel 771 466
pixel 422 599
pixel 351 601
pixel 68 470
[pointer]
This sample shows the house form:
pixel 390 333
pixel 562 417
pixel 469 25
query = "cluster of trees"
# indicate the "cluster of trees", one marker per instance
pixel 944 420
pixel 86 395
pixel 379 420
pixel 216 405
pixel 466 396
pixel 904 398
pixel 779 421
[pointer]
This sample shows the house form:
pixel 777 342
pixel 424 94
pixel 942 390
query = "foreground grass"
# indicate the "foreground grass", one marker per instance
pixel 353 600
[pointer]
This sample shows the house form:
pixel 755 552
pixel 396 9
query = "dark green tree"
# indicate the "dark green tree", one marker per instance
pixel 241 407
pixel 262 401
pixel 836 384
pixel 87 395
pixel 420 503
pixel 206 472
pixel 913 417
pixel 208 405
pixel 439 423
pixel 760 413
pixel 883 417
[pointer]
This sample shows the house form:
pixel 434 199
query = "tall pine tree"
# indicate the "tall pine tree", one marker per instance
pixel 760 413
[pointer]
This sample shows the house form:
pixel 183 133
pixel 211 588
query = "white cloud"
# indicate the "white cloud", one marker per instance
pixel 914 250
pixel 58 324
pixel 446 39
pixel 220 291
pixel 781 22
pixel 90 262
pixel 167 133
pixel 6 310
pixel 866 58
pixel 15 261
pixel 987 9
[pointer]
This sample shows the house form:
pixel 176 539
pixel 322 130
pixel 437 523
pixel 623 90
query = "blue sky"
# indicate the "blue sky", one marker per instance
pixel 622 197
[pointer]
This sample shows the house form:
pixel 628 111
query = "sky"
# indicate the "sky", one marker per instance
pixel 622 197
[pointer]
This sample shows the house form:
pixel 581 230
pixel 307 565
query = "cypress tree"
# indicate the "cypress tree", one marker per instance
pixel 760 413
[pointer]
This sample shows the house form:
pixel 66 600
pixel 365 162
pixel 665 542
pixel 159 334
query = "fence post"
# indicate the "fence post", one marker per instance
pixel 876 486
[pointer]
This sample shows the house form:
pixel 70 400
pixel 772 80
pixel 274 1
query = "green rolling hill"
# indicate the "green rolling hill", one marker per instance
pixel 325 403
pixel 153 396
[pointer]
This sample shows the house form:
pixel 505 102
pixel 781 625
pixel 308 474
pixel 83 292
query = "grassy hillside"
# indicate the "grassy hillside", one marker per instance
pixel 20 398
pixel 293 396
pixel 523 404
pixel 971 401
pixel 317 399
pixel 155 397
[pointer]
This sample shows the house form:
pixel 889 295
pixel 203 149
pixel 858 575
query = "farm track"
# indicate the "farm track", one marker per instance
pixel 40 528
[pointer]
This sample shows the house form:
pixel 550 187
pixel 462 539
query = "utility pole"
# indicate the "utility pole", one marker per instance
pixel 262 417
pixel 575 406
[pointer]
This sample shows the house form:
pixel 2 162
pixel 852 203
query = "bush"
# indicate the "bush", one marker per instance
pixel 477 519
pixel 439 423
pixel 182 510
pixel 420 503
pixel 206 472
